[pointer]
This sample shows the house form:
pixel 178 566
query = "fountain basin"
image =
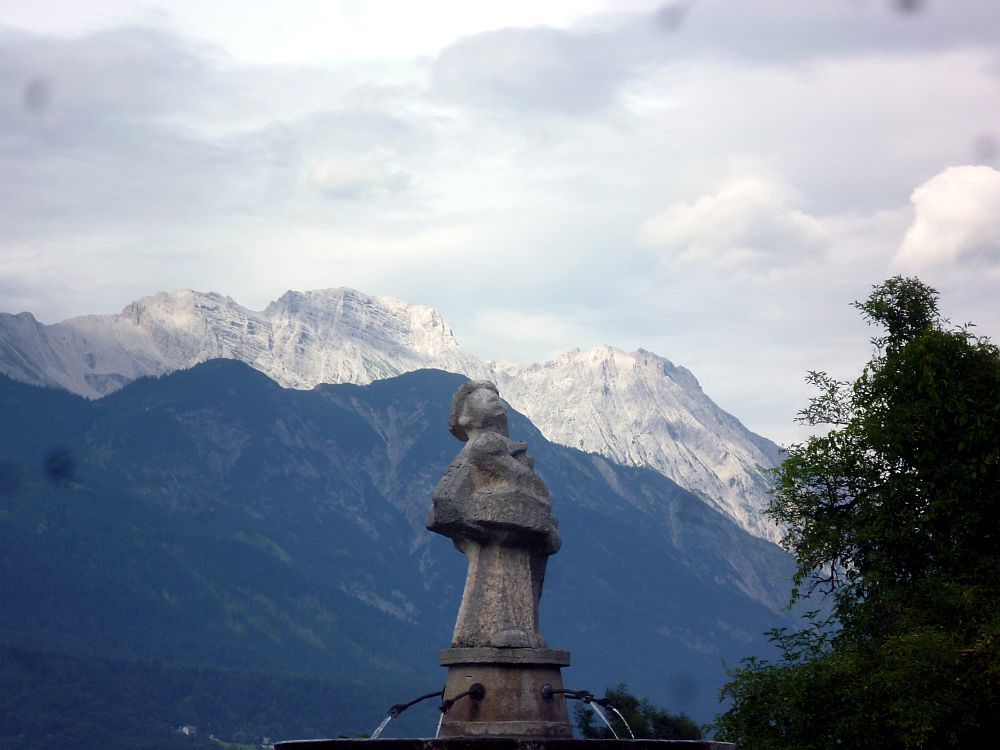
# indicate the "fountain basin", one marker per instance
pixel 503 743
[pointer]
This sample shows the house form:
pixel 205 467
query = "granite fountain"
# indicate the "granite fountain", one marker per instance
pixel 504 688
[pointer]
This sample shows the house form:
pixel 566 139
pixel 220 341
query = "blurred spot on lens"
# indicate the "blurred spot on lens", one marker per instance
pixel 670 17
pixel 909 6
pixel 37 95
pixel 59 466
pixel 985 149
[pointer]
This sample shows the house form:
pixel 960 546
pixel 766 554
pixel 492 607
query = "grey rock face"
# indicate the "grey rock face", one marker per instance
pixel 639 409
pixel 299 340
pixel 497 511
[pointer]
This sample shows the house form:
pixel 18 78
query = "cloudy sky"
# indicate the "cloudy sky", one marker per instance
pixel 712 180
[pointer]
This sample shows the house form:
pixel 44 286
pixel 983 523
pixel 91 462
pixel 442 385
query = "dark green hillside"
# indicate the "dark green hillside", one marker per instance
pixel 52 702
pixel 212 528
pixel 156 548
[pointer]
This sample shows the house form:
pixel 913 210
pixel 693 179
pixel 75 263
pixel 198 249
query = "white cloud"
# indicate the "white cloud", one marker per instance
pixel 748 223
pixel 116 75
pixel 956 222
pixel 502 175
pixel 546 331
pixel 354 177
pixel 538 69
pixel 780 31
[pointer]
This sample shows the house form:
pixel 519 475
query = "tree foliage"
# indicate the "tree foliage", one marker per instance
pixel 894 512
pixel 646 721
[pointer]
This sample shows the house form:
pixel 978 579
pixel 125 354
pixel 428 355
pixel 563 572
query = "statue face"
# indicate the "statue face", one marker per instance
pixel 476 408
pixel 482 407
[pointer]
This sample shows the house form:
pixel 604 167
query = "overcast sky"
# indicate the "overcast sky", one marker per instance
pixel 715 181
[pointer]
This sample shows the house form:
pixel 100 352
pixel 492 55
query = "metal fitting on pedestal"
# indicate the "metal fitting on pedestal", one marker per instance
pixel 476 692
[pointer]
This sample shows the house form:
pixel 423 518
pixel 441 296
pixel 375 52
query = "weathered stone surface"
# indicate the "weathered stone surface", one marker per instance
pixel 535 656
pixel 497 511
pixel 513 703
pixel 500 602
pixel 491 493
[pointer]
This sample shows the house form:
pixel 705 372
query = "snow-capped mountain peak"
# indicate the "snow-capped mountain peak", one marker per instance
pixel 640 409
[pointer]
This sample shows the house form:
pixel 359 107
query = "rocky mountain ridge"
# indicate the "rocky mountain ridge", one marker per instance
pixel 640 409
pixel 636 408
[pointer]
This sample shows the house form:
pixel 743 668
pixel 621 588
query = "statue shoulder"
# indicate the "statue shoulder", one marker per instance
pixel 490 443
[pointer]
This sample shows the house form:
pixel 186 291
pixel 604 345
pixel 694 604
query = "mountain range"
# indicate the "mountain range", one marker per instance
pixel 209 548
pixel 637 409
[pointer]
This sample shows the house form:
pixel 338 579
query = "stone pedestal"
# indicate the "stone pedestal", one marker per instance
pixel 512 706
pixel 500 601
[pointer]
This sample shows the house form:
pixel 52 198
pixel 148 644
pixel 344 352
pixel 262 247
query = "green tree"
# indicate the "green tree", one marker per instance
pixel 894 512
pixel 646 721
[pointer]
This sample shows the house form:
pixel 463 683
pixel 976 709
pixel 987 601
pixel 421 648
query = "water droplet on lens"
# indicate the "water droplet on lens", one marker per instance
pixel 985 149
pixel 909 6
pixel 37 95
pixel 59 466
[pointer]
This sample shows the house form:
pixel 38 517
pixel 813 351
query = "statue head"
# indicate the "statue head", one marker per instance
pixel 475 408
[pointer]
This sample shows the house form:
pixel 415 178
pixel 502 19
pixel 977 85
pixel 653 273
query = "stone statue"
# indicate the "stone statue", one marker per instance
pixel 496 510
